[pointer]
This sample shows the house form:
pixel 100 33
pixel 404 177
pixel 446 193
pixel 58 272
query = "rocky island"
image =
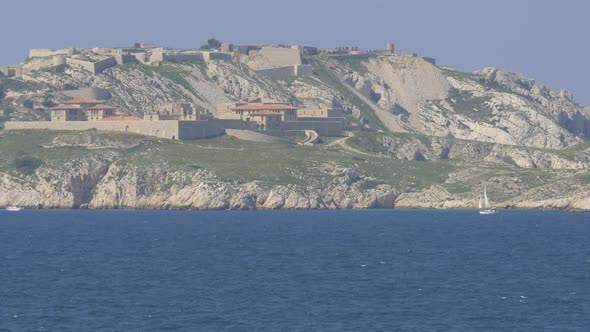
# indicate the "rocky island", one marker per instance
pixel 409 133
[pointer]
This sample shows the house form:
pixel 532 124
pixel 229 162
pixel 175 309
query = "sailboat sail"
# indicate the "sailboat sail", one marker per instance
pixel 485 195
pixel 480 202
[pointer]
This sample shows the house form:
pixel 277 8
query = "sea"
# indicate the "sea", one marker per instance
pixel 355 270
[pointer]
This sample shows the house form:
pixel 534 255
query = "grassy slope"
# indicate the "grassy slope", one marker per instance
pixel 228 157
pixel 233 159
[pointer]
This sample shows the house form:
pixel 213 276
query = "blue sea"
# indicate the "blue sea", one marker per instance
pixel 373 270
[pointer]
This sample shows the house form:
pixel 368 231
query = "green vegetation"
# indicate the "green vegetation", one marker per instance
pixel 356 65
pixel 459 74
pixel 26 164
pixel 508 160
pixel 228 157
pixel 212 43
pixel 471 106
pixel 27 103
pixel 330 79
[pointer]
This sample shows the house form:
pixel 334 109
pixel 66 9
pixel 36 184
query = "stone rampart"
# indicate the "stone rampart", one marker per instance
pixel 199 129
pixel 45 52
pixel 94 67
pixel 165 129
pixel 182 57
pixel 208 56
pixel 323 128
pixel 278 72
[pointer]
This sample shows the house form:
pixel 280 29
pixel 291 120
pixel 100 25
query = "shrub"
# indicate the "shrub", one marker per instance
pixel 28 103
pixel 27 164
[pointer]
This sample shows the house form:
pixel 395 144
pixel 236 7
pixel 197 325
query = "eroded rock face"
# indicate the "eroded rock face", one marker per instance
pixel 490 106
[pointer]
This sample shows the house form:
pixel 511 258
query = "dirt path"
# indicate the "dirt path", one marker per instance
pixel 342 143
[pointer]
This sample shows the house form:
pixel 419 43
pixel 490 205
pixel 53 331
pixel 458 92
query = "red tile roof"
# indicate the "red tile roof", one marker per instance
pixel 101 107
pixel 66 107
pixel 84 101
pixel 254 107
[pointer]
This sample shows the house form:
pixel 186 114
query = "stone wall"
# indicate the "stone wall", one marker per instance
pixel 208 56
pixel 297 70
pixel 12 71
pixel 101 65
pixel 272 57
pixel 363 56
pixel 164 129
pixel 199 129
pixel 45 52
pixel 237 124
pixel 323 128
pixel 91 66
pixel 182 57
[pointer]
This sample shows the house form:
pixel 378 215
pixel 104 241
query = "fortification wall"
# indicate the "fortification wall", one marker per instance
pixel 45 52
pixel 199 129
pixel 237 124
pixel 353 56
pixel 164 129
pixel 182 57
pixel 82 64
pixel 430 60
pixel 208 56
pixel 93 67
pixel 304 70
pixel 273 57
pixel 12 71
pixel 101 65
pixel 323 128
pixel 278 72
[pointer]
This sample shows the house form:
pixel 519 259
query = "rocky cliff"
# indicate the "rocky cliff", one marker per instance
pixel 41 169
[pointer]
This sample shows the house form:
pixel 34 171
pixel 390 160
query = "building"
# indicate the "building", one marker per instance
pixel 266 120
pixel 175 111
pixel 286 111
pixel 319 113
pixel 82 109
pixel 282 119
pixel 179 121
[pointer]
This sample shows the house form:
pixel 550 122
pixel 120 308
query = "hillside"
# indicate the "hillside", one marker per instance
pixel 432 137
pixel 109 170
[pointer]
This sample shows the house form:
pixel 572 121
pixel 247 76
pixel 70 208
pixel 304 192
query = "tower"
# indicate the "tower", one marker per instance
pixel 390 48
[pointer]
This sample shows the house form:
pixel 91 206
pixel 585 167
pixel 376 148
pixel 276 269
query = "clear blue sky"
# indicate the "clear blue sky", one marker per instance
pixel 541 39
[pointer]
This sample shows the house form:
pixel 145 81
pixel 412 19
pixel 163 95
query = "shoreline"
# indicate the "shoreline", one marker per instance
pixel 128 209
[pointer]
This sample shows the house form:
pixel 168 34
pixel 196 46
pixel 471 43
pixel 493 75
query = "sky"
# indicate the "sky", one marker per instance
pixel 543 40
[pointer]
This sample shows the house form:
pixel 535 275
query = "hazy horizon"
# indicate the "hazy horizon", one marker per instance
pixel 542 40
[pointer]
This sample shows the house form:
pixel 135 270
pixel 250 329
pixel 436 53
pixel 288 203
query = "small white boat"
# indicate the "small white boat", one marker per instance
pixel 487 209
pixel 13 208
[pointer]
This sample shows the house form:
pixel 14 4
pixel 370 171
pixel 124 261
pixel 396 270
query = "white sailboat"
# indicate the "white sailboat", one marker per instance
pixel 13 208
pixel 487 209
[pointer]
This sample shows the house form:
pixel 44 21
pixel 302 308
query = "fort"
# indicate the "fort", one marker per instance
pixel 180 121
pixel 183 121
pixel 275 61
